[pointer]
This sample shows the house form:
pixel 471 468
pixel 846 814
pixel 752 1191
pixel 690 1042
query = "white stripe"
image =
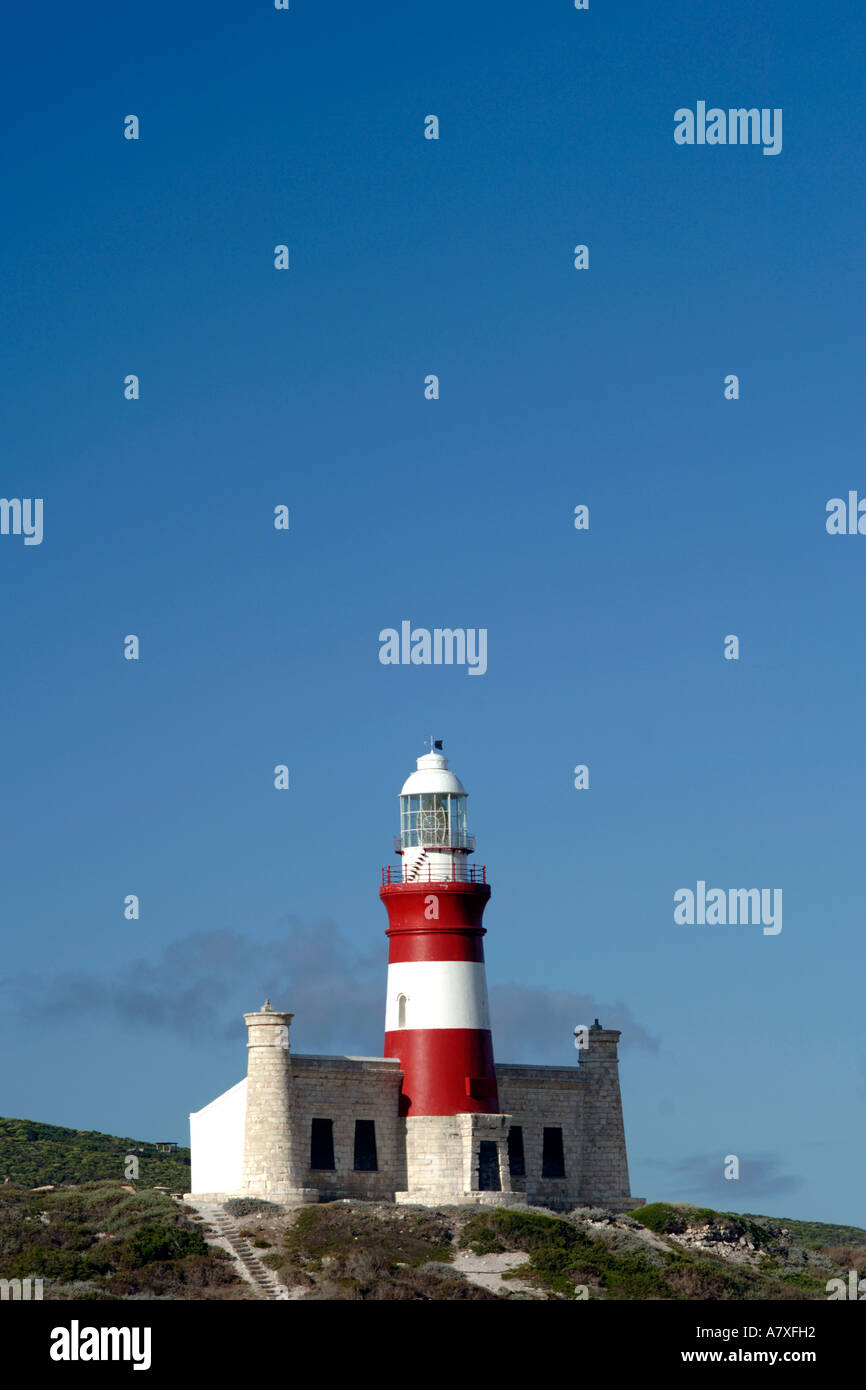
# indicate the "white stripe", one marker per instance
pixel 439 994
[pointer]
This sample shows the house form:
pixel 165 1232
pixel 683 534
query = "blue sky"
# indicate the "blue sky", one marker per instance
pixel 557 387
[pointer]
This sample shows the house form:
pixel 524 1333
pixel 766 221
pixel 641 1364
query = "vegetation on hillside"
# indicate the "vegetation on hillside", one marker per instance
pixel 100 1241
pixel 361 1251
pixel 34 1154
pixel 91 1237
pixel 566 1257
pixel 677 1218
pixel 815 1235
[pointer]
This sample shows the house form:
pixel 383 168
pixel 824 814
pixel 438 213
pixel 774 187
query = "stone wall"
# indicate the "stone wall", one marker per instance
pixel 346 1089
pixel 443 1160
pixel 536 1098
pixel 585 1102
pixel 429 1158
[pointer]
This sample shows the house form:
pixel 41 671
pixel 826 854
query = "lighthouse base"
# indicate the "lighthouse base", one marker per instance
pixel 556 1141
pixel 282 1196
pixel 458 1159
pixel 425 1198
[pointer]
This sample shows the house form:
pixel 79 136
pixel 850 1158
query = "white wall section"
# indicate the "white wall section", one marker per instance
pixel 216 1136
pixel 439 994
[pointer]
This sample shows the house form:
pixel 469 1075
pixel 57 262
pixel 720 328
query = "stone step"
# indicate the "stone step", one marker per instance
pixel 223 1227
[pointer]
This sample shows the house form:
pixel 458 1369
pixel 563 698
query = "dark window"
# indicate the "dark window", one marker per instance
pixel 552 1157
pixel 322 1144
pixel 365 1147
pixel 481 1087
pixel 488 1167
pixel 516 1161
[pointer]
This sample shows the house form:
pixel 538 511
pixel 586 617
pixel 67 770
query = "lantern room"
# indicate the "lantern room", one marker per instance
pixel 433 820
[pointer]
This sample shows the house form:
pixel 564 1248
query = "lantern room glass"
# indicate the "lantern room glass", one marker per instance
pixel 433 820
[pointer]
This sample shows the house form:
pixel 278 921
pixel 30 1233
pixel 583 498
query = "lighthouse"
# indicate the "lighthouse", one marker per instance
pixel 433 1120
pixel 437 1016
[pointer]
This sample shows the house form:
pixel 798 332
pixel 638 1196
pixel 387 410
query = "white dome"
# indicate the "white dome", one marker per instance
pixel 432 776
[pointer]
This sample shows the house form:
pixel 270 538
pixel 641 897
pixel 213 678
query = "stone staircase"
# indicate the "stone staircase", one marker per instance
pixel 221 1229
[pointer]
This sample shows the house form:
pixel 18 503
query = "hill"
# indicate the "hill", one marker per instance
pixel 816 1235
pixel 34 1154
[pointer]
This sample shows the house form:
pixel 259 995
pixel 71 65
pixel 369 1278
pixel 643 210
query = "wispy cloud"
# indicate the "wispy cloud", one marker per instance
pixel 199 987
pixel 531 1023
pixel 761 1175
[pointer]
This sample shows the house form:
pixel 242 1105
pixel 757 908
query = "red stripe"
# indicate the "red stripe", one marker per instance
pixel 458 904
pixel 436 1063
pixel 453 933
pixel 434 945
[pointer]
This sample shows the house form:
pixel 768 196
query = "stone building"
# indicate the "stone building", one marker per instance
pixel 435 1120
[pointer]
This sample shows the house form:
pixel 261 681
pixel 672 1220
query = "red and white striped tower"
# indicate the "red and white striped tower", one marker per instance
pixel 437 1017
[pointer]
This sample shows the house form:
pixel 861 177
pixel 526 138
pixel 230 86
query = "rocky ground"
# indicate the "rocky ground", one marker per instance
pixel 369 1250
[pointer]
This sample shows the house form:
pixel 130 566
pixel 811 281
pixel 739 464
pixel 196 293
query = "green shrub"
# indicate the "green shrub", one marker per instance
pixel 665 1219
pixel 152 1243
pixel 248 1206
pixel 329 1231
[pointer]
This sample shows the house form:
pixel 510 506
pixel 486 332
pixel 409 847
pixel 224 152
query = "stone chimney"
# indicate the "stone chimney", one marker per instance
pixel 272 1168
pixel 604 1170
